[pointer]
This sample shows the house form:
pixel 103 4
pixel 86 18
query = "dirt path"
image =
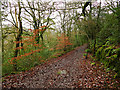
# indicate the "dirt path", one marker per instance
pixel 68 71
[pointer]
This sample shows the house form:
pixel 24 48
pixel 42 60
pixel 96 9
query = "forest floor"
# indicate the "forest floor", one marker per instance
pixel 71 70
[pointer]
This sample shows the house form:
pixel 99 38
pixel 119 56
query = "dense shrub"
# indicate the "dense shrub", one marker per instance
pixel 110 56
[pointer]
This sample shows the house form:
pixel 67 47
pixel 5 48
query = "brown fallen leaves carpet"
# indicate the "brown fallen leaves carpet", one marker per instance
pixel 68 71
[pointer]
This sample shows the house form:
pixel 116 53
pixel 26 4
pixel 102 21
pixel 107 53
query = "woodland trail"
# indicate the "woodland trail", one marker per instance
pixel 68 71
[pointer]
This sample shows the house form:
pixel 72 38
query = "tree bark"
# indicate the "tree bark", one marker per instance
pixel 18 36
pixel 86 4
pixel 119 22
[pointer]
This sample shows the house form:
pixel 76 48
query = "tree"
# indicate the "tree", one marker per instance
pixel 85 5
pixel 1 33
pixel 17 23
pixel 4 6
pixel 37 11
pixel 19 38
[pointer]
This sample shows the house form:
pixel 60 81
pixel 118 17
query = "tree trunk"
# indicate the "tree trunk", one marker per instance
pixel 18 37
pixel 1 36
pixel 118 22
pixel 94 50
pixel 2 41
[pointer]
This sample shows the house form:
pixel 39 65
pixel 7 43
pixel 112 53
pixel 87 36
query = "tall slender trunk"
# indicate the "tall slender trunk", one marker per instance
pixel 18 36
pixel 1 35
pixel 64 25
pixel 2 41
pixel 94 50
pixel 1 44
pixel 118 22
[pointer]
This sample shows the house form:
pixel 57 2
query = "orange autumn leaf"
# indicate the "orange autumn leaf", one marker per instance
pixel 19 48
pixel 17 42
pixel 43 26
pixel 26 54
pixel 51 49
pixel 18 57
pixel 63 41
pixel 12 58
pixel 29 41
pixel 12 63
pixel 30 29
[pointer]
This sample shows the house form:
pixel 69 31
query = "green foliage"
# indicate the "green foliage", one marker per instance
pixel 93 63
pixel 109 30
pixel 109 55
pixel 88 50
pixel 100 53
pixel 26 59
pixel 85 54
pixel 104 36
pixel 117 51
pixel 108 50
pixel 7 68
pixel 101 31
pixel 115 75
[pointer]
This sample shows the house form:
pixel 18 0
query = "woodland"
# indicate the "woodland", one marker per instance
pixel 34 32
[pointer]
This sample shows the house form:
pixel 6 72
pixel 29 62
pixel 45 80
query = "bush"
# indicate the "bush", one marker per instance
pixel 110 57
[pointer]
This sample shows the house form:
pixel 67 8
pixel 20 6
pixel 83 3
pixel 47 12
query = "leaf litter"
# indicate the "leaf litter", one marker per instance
pixel 70 70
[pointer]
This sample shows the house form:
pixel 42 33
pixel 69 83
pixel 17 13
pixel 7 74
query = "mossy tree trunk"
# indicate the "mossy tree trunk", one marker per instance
pixel 19 38
pixel 118 15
